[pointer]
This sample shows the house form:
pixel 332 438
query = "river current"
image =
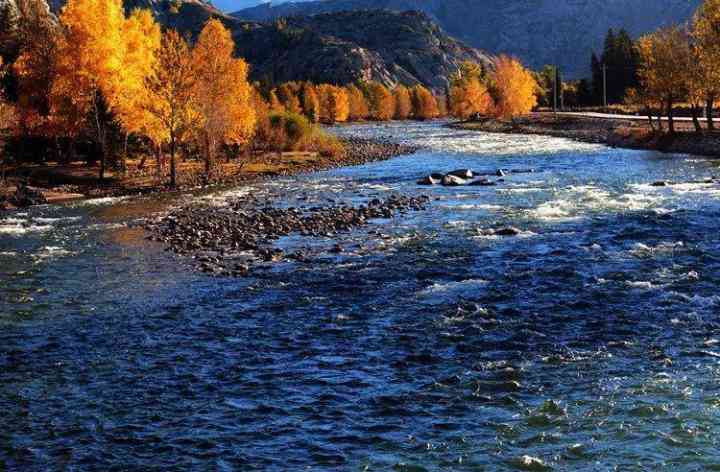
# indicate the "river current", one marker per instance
pixel 590 341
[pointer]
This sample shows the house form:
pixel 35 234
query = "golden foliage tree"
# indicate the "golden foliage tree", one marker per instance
pixel 381 105
pixel 664 59
pixel 142 41
pixel 310 102
pixel 470 97
pixel 425 105
pixel 514 88
pixel 334 104
pixel 223 94
pixel 288 93
pixel 403 103
pixel 7 123
pixel 358 105
pixel 90 55
pixel 706 35
pixel 170 93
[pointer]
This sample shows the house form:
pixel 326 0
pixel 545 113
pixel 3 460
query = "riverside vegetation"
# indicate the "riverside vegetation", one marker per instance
pixel 117 89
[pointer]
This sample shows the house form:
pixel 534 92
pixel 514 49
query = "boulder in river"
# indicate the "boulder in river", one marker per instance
pixel 462 173
pixel 432 179
pixel 482 183
pixel 453 181
pixel 660 183
pixel 25 196
pixel 509 231
pixel 500 173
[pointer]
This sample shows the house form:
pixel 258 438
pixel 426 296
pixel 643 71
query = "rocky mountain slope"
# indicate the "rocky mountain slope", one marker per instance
pixel 562 32
pixel 344 47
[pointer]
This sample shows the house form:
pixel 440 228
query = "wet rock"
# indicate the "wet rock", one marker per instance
pixel 500 173
pixel 660 183
pixel 508 231
pixel 453 181
pixel 462 173
pixel 482 183
pixel 429 180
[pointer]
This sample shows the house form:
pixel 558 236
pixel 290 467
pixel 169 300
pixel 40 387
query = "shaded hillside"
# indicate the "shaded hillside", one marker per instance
pixel 350 46
pixel 538 31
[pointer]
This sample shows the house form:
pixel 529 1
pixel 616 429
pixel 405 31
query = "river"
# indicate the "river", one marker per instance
pixel 590 341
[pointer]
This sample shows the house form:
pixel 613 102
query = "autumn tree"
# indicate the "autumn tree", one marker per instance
pixel 142 41
pixel 381 105
pixel 424 103
pixel 469 96
pixel 274 102
pixel 7 122
pixel 403 103
pixel 310 102
pixel 513 88
pixel 664 63
pixel 222 91
pixel 706 36
pixel 90 55
pixel 358 105
pixel 334 104
pixel 170 92
pixel 288 93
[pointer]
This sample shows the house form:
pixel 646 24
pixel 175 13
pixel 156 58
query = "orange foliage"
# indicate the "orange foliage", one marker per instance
pixel 222 91
pixel 310 102
pixel 334 104
pixel 425 105
pixel 287 93
pixel 380 101
pixel 514 88
pixel 403 103
pixel 469 97
pixel 358 105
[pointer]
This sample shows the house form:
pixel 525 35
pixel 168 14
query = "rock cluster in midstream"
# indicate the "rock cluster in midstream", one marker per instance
pixel 468 177
pixel 228 241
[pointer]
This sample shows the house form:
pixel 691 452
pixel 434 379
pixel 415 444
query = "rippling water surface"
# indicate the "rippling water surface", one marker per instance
pixel 590 341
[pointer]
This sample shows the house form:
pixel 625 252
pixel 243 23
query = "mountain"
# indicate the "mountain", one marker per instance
pixel 381 45
pixel 563 32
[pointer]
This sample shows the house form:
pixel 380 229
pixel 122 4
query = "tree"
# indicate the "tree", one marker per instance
pixel 403 104
pixel 170 96
pixel 664 61
pixel 222 92
pixel 358 105
pixel 706 35
pixel 310 102
pixel 142 41
pixel 425 105
pixel 89 62
pixel 7 122
pixel 287 93
pixel 617 68
pixel 334 104
pixel 514 88
pixel 469 98
pixel 381 105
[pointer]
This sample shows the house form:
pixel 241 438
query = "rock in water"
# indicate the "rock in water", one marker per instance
pixel 509 231
pixel 429 180
pixel 462 173
pixel 660 183
pixel 500 173
pixel 482 183
pixel 453 181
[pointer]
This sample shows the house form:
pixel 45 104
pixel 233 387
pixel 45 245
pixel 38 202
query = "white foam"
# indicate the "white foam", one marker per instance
pixel 18 229
pixel 51 252
pixel 99 201
pixel 442 292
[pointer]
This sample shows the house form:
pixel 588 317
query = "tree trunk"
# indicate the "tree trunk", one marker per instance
pixel 158 160
pixel 671 122
pixel 694 110
pixel 709 112
pixel 173 176
pixel 100 130
pixel 650 119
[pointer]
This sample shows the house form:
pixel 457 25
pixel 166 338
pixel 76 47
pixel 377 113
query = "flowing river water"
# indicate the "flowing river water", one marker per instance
pixel 590 341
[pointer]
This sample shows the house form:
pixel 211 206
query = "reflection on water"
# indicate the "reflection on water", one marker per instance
pixel 588 342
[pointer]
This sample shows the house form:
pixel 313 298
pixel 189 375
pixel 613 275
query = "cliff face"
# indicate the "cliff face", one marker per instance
pixel 343 47
pixel 563 32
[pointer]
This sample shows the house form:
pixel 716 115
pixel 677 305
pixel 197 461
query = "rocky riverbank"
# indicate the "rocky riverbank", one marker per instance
pixel 358 151
pixel 631 134
pixel 233 239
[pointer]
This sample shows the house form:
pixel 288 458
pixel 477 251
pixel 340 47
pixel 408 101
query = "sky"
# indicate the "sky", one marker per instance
pixel 235 5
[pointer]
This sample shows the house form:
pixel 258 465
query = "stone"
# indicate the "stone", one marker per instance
pixel 462 173
pixel 500 173
pixel 429 180
pixel 509 231
pixel 660 183
pixel 453 181
pixel 482 183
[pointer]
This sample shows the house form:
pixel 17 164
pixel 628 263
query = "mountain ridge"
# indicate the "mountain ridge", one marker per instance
pixel 539 32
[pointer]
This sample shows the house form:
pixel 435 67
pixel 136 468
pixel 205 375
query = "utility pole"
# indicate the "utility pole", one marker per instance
pixel 555 77
pixel 605 104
